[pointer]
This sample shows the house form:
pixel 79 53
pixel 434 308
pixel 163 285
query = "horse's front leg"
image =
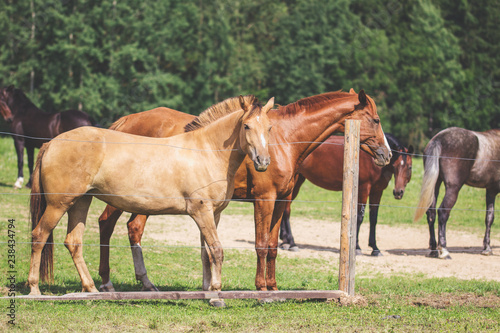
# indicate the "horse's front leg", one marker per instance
pixel 19 145
pixel 263 214
pixel 272 254
pixel 212 253
pixel 136 225
pixel 30 151
pixel 375 198
pixel 490 216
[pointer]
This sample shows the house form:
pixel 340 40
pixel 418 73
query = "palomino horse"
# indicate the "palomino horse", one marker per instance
pixel 191 173
pixel 31 127
pixel 457 156
pixel 324 168
pixel 298 129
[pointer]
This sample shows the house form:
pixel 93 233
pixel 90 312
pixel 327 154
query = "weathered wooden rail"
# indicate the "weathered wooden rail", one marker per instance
pixel 178 295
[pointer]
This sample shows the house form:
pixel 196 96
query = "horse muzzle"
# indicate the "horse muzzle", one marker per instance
pixel 261 163
pixel 382 156
pixel 398 194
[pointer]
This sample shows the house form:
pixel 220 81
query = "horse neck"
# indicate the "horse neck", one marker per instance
pixel 310 127
pixel 222 137
pixel 22 105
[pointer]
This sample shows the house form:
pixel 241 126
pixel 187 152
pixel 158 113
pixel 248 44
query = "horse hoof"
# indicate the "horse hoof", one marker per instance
pixel 294 248
pixel 444 254
pixel 107 288
pixel 487 252
pixel 376 253
pixel 217 303
pixel 19 183
pixel 433 254
pixel 149 288
pixel 359 252
pixel 285 246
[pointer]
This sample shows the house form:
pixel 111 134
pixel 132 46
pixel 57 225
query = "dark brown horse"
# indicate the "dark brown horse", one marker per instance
pixel 324 168
pixel 298 129
pixel 458 157
pixel 29 124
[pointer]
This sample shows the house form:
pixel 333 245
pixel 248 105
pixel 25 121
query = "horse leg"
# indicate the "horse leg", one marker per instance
pixel 490 215
pixel 77 217
pixel 272 253
pixel 107 222
pixel 449 200
pixel 263 210
pixel 135 227
pixel 286 230
pixel 19 145
pixel 30 150
pixel 359 221
pixel 375 198
pixel 285 227
pixel 431 219
pixel 47 223
pixel 207 223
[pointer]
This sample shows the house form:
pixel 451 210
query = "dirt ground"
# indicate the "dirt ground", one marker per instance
pixel 403 248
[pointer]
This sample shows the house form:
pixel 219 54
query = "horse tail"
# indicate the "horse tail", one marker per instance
pixel 431 173
pixel 38 204
pixel 119 123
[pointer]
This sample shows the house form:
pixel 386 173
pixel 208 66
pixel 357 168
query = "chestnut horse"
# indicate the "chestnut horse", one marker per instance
pixel 31 127
pixel 456 156
pixel 324 168
pixel 298 129
pixel 191 174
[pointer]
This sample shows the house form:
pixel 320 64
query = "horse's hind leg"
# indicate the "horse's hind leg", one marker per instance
pixel 431 219
pixel 47 223
pixel 449 200
pixel 135 227
pixel 490 215
pixel 107 223
pixel 77 217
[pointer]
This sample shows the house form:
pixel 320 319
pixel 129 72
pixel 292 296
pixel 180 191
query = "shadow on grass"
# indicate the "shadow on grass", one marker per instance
pixel 425 252
pixel 301 246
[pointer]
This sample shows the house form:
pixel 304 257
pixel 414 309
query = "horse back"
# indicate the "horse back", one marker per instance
pixel 485 172
pixel 71 119
pixel 159 123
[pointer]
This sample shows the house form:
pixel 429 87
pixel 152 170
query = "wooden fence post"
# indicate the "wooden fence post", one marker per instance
pixel 349 207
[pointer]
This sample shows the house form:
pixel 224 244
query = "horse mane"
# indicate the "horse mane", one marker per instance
pixel 23 102
pixel 295 107
pixel 119 123
pixel 218 111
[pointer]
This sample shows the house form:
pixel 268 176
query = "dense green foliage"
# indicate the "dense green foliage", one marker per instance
pixel 429 64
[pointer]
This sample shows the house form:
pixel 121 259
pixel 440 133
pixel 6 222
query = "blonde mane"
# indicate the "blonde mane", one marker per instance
pixel 218 111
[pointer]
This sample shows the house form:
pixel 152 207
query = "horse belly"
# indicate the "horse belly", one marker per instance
pixel 485 172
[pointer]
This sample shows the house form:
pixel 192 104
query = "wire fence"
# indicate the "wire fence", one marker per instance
pixel 234 200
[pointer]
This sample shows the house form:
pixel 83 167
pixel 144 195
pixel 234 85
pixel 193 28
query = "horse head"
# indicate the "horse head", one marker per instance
pixel 5 111
pixel 402 165
pixel 254 132
pixel 5 99
pixel 372 136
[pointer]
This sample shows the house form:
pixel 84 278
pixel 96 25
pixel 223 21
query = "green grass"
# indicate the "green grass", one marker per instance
pixel 401 303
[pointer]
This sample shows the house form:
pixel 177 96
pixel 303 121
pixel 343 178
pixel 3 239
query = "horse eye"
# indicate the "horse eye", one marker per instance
pixel 246 127
pixel 377 121
pixel 270 128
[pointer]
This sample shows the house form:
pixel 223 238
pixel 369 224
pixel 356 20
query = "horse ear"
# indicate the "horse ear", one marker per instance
pixel 351 91
pixel 410 149
pixel 269 105
pixel 362 97
pixel 244 105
